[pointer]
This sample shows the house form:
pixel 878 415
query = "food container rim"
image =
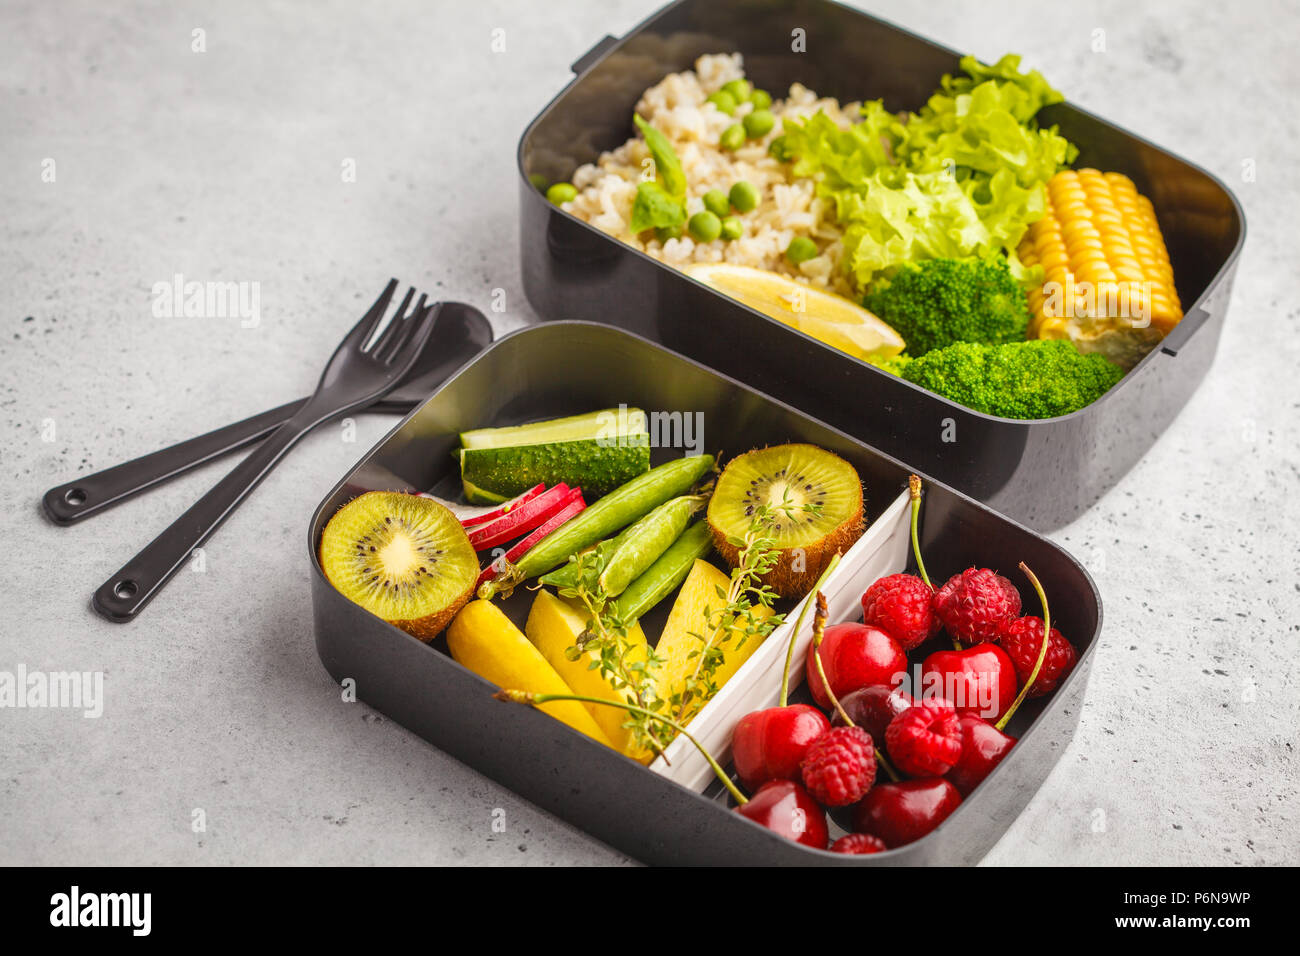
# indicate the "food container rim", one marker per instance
pixel 1211 287
pixel 319 518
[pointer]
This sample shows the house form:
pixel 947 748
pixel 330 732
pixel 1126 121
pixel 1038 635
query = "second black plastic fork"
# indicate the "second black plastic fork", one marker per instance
pixel 363 368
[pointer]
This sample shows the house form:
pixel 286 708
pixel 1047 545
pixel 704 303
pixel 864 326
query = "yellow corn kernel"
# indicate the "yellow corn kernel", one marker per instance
pixel 1108 283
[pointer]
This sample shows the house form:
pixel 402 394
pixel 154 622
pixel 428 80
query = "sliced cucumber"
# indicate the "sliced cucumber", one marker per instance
pixel 592 464
pixel 607 423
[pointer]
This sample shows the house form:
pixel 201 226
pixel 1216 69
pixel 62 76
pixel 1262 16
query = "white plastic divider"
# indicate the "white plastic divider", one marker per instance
pixel 882 550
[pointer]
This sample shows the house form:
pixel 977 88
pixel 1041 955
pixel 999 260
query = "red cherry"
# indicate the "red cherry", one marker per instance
pixel 770 744
pixel 970 678
pixel 872 708
pixel 785 807
pixel 854 656
pixel 900 813
pixel 982 747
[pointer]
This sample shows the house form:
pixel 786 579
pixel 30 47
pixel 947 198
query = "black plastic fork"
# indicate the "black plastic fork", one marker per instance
pixel 364 367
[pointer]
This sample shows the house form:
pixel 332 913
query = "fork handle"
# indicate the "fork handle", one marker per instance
pixel 125 594
pixel 90 494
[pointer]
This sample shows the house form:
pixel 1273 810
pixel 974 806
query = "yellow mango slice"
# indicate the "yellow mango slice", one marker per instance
pixel 553 626
pixel 487 642
pixel 676 644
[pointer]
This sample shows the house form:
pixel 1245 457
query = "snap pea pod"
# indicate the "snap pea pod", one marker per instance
pixel 663 577
pixel 619 508
pixel 567 574
pixel 643 542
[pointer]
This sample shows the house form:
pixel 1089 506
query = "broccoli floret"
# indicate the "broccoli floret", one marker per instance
pixel 894 364
pixel 937 302
pixel 1035 379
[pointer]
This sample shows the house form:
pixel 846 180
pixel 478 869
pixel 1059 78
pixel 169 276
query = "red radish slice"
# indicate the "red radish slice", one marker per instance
pixel 571 510
pixel 471 515
pixel 522 519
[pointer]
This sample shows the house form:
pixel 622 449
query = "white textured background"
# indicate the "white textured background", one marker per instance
pixel 226 166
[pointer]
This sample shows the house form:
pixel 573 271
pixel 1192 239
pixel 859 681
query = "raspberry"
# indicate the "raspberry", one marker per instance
pixel 925 740
pixel 901 606
pixel 975 604
pixel 1022 639
pixel 859 843
pixel 840 766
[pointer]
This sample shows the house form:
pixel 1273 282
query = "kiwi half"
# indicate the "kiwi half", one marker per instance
pixel 402 557
pixel 786 478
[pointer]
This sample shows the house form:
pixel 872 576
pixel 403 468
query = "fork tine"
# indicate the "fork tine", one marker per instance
pixel 416 338
pixel 361 331
pixel 391 330
pixel 386 347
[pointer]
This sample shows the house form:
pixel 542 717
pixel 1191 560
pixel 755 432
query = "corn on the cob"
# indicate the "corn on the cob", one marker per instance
pixel 1108 285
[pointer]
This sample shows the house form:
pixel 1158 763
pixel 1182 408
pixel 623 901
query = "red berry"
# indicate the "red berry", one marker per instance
pixel 859 843
pixel 899 813
pixel 840 766
pixel 925 740
pixel 901 605
pixel 872 708
pixel 1022 639
pixel 853 656
pixel 770 744
pixel 975 604
pixel 786 808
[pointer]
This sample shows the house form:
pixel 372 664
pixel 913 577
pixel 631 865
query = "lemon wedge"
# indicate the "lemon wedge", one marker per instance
pixel 827 317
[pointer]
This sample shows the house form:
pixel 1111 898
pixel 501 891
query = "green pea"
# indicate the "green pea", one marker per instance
pixel 759 123
pixel 539 182
pixel 732 228
pixel 664 233
pixel 705 226
pixel 739 90
pixel 733 137
pixel 662 578
pixel 724 101
pixel 801 249
pixel 642 544
pixel 716 202
pixel 562 193
pixel 744 196
pixel 761 99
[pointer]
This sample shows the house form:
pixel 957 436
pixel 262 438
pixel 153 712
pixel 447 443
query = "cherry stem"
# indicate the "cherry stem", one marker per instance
pixel 880 759
pixel 1042 651
pixel 819 629
pixel 914 490
pixel 798 626
pixel 533 700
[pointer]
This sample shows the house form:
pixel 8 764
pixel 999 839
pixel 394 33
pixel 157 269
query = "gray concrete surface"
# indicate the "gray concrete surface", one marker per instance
pixel 229 164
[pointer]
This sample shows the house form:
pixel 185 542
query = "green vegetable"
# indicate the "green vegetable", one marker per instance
pixel 732 228
pixel 716 202
pixel 724 101
pixel 668 168
pixel 539 182
pixel 759 123
pixel 744 196
pixel 664 233
pixel 568 574
pixel 642 544
pixel 733 137
pixel 562 193
pixel 598 451
pixel 1041 378
pixel 937 302
pixel 615 510
pixel 963 177
pixel 761 99
pixel 739 89
pixel 705 226
pixel 665 575
pixel 801 249
pixel 893 364
pixel 660 203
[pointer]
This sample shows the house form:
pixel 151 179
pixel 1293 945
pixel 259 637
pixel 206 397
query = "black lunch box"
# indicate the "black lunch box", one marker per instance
pixel 1044 473
pixel 565 368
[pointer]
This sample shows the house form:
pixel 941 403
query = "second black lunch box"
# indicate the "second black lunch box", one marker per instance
pixel 566 368
pixel 1044 473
